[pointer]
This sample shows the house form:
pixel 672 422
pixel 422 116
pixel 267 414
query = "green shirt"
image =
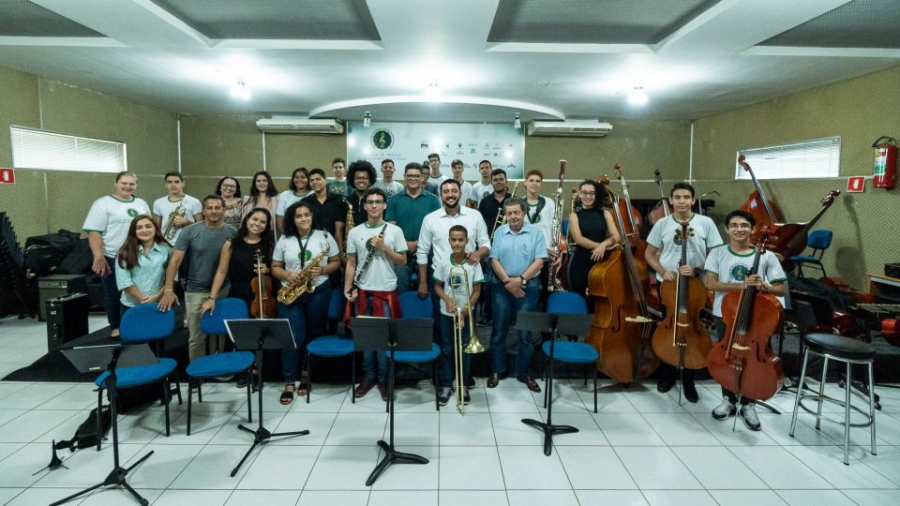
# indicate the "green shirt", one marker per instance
pixel 409 213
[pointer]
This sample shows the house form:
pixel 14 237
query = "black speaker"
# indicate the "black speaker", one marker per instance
pixel 57 286
pixel 67 319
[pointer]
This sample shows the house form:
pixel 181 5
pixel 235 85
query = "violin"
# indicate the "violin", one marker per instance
pixel 743 362
pixel 263 305
pixel 681 339
pixel 662 209
pixel 623 320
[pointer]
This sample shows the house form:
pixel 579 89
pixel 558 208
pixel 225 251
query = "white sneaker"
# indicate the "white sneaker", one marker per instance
pixel 748 415
pixel 724 410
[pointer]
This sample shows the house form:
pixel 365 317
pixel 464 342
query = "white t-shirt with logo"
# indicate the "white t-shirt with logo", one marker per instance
pixel 731 267
pixel 449 275
pixel 391 189
pixel 380 276
pixel 288 249
pixel 479 191
pixel 163 207
pixel 111 217
pixel 705 237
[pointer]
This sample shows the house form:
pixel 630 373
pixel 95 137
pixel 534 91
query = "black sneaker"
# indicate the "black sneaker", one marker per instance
pixel 466 397
pixel 444 395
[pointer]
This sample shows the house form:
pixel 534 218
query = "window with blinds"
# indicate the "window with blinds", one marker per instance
pixel 37 149
pixel 816 158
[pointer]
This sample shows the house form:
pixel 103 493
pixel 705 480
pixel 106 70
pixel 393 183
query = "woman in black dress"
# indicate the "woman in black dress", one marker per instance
pixel 594 231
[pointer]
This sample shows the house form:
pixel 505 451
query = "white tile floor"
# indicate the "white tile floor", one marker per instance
pixel 641 448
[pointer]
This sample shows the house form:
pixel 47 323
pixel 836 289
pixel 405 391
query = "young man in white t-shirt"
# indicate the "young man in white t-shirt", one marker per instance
pixel 435 177
pixel 387 182
pixel 453 289
pixel 728 270
pixel 482 188
pixel 664 255
pixel 541 212
pixel 373 248
pixel 457 167
pixel 186 209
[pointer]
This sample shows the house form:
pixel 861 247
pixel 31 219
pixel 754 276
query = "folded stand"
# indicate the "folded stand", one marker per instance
pixel 256 336
pixel 554 324
pixel 95 359
pixel 391 335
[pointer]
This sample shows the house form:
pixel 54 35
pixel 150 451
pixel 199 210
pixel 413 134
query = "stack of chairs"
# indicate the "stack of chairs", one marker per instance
pixel 22 297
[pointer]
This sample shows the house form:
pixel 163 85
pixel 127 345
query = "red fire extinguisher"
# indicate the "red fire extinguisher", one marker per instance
pixel 885 162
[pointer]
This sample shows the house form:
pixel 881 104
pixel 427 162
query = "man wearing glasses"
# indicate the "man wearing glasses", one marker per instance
pixel 664 254
pixel 407 210
pixel 373 249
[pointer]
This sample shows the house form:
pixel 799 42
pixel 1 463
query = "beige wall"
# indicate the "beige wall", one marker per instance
pixel 47 201
pixel 860 110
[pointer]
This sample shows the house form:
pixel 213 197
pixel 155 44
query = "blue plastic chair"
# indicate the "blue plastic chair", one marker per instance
pixel 220 364
pixel 143 323
pixel 412 307
pixel 818 241
pixel 332 346
pixel 565 351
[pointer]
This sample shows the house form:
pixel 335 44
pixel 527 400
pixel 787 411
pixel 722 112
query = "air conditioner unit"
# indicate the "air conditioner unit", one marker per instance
pixel 570 128
pixel 300 125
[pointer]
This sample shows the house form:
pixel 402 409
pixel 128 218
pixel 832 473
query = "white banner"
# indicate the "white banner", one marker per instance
pixel 403 143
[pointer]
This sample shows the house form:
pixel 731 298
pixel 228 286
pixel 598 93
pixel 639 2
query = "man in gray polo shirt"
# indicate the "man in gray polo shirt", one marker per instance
pixel 202 242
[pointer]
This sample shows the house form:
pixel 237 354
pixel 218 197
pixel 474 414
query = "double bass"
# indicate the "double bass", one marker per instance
pixel 623 320
pixel 662 208
pixel 681 340
pixel 743 362
pixel 263 305
pixel 763 210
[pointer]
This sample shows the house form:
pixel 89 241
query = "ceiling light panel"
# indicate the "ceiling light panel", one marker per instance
pixel 592 21
pixel 269 19
pixel 25 19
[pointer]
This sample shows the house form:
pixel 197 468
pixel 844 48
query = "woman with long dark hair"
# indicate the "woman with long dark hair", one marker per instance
pixel 293 262
pixel 594 231
pixel 262 194
pixel 230 190
pixel 299 189
pixel 141 263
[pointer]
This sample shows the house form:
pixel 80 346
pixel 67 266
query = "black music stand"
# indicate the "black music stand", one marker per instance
pixel 385 334
pixel 258 335
pixel 555 324
pixel 96 358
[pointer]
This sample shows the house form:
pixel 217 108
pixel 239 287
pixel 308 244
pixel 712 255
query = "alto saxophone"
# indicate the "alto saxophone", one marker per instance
pixel 348 224
pixel 170 231
pixel 305 283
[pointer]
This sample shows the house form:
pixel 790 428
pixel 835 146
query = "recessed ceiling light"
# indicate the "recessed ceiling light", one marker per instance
pixel 637 96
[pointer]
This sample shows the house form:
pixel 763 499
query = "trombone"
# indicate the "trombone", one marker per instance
pixel 459 286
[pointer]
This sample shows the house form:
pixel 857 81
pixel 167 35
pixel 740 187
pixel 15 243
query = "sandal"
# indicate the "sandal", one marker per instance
pixel 287 396
pixel 302 390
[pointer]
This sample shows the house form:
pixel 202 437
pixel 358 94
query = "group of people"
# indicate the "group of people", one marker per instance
pixel 464 246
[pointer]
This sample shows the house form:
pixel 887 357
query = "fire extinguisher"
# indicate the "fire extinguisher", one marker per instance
pixel 885 162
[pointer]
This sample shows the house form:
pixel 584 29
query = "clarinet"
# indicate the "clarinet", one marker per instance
pixel 365 266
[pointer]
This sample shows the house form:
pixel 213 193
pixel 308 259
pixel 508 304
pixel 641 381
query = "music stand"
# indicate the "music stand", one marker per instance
pixel 96 358
pixel 258 335
pixel 379 335
pixel 555 324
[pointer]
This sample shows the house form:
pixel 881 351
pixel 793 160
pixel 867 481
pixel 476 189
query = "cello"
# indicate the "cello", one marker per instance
pixel 763 210
pixel 662 209
pixel 263 305
pixel 681 340
pixel 743 362
pixel 623 320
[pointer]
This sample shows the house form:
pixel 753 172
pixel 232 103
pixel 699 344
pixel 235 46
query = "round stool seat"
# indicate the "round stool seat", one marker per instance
pixel 839 347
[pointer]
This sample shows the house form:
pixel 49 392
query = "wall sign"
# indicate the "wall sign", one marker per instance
pixel 7 176
pixel 403 143
pixel 856 184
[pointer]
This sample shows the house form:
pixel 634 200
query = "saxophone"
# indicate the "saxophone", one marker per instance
pixel 171 230
pixel 348 224
pixel 305 282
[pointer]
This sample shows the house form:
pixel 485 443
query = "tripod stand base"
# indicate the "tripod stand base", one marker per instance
pixel 116 478
pixel 261 436
pixel 549 430
pixel 392 456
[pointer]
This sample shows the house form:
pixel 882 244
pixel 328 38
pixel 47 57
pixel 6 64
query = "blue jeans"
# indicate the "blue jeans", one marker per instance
pixel 448 350
pixel 307 316
pixel 111 296
pixel 370 370
pixel 485 299
pixel 504 304
pixel 404 272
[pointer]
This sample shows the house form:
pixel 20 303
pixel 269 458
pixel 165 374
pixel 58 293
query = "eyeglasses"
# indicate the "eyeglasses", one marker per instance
pixel 361 178
pixel 374 202
pixel 226 186
pixel 740 226
pixel 588 194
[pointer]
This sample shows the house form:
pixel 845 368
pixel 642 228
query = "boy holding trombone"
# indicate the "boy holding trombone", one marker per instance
pixel 458 284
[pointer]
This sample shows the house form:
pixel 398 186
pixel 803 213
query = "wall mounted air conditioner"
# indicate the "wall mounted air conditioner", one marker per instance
pixel 300 125
pixel 570 128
